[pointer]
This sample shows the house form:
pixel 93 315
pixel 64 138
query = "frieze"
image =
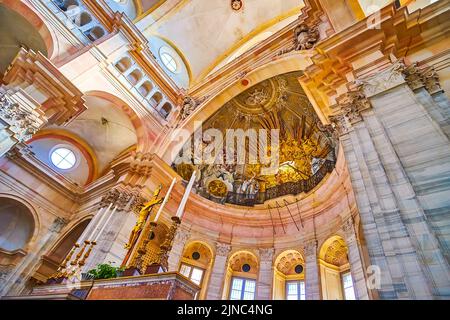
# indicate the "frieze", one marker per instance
pixel 383 80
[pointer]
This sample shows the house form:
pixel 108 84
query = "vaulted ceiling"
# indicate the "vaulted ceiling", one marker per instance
pixel 209 32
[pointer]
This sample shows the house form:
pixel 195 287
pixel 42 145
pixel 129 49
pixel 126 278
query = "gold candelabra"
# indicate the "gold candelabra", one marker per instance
pixel 162 257
pixel 142 251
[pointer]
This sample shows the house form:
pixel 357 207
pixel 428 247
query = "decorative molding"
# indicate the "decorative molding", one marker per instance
pixel 58 224
pixel 417 77
pixel 222 249
pixel 383 80
pixel 266 254
pixel 311 247
pixel 181 236
pixel 305 38
pixel 350 106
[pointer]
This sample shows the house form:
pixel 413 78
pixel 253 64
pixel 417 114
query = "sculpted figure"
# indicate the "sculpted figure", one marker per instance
pixel 143 216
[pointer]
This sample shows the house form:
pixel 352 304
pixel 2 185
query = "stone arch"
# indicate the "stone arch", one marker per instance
pixel 39 24
pixel 142 137
pixel 334 269
pixel 236 269
pixel 282 65
pixel 52 259
pixel 196 264
pixel 286 271
pixel 17 224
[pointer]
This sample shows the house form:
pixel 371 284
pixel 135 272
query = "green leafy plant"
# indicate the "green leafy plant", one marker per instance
pixel 105 271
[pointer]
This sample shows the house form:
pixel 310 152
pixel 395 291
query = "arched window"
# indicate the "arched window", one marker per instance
pixel 196 265
pixel 145 88
pixel 135 76
pixel 95 33
pixel 336 279
pixel 83 19
pixel 66 5
pixel 16 225
pixel 289 276
pixel 240 280
pixel 156 99
pixel 165 110
pixel 123 64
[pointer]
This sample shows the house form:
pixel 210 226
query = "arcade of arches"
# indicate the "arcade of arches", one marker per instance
pixel 115 126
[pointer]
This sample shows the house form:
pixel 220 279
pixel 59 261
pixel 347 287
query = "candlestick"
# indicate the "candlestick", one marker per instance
pixel 180 210
pixel 105 224
pixel 166 199
pixel 104 213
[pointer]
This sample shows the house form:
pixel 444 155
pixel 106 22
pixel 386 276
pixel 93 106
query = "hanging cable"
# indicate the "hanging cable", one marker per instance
pixel 279 215
pixel 290 213
pixel 299 213
pixel 271 218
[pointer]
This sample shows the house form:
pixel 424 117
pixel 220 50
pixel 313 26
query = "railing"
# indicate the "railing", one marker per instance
pixel 78 19
pixel 290 188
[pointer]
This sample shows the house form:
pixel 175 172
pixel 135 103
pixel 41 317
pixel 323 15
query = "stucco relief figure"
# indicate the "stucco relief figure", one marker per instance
pixel 305 38
pixel 143 216
pixel 188 107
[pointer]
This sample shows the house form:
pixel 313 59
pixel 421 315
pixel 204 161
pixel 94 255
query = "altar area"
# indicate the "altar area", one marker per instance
pixel 161 286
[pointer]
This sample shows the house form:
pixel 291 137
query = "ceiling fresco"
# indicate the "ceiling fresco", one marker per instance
pixel 306 148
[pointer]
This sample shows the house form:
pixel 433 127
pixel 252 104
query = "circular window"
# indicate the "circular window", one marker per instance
pixel 246 267
pixel 298 269
pixel 196 255
pixel 63 158
pixel 169 62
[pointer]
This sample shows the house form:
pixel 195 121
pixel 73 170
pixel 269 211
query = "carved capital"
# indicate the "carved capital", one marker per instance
pixel 58 224
pixel 350 106
pixel 311 248
pixel 266 254
pixel 418 77
pixel 222 249
pixel 141 164
pixel 182 236
pixel 21 115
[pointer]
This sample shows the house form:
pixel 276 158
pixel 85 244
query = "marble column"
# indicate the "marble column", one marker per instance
pixel 176 253
pixel 399 163
pixel 216 282
pixel 355 260
pixel 108 229
pixel 265 276
pixel 312 277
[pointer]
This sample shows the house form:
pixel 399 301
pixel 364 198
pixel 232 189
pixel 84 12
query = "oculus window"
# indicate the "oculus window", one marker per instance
pixel 63 158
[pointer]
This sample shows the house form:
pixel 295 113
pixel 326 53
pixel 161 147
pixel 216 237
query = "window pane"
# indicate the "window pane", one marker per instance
pixel 237 284
pixel 249 295
pixel 250 286
pixel 347 283
pixel 235 295
pixel 302 291
pixel 185 270
pixel 196 276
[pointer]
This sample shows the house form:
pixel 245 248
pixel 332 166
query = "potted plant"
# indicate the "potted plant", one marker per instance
pixel 105 271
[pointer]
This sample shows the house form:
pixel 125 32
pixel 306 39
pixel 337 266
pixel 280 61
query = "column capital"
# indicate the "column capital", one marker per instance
pixel 418 77
pixel 310 247
pixel 58 224
pixel 266 254
pixel 222 249
pixel 349 106
pixel 182 236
